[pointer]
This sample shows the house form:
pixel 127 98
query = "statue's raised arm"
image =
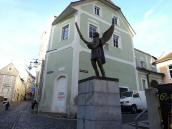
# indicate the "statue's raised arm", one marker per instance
pixel 108 34
pixel 79 32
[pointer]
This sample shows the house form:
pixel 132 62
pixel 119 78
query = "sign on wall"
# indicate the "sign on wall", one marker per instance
pixel 165 98
pixel 61 96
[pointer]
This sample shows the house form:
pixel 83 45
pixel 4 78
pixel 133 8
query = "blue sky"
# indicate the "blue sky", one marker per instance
pixel 23 21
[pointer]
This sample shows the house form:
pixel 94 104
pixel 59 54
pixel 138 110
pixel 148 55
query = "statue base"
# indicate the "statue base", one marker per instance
pixel 99 104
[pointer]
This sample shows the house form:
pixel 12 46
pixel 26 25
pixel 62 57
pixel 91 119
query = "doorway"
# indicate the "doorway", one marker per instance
pixel 60 95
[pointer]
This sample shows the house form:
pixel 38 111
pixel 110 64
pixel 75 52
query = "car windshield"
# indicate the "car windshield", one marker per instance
pixel 126 94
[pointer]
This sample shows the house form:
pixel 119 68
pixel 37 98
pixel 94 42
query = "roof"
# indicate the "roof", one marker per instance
pixel 145 53
pixel 165 58
pixel 69 10
pixel 150 72
pixel 30 75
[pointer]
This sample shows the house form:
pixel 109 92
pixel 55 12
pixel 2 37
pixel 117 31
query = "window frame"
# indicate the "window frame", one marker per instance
pixel 170 70
pixel 9 68
pixel 146 84
pixel 62 32
pixel 95 12
pixel 90 23
pixel 117 21
pixel 119 40
pixel 143 64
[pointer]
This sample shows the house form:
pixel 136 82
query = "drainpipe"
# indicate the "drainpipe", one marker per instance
pixel 147 76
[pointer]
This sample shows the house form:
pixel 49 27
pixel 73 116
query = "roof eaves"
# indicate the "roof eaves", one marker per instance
pixel 134 33
pixel 165 58
pixel 162 60
pixel 150 72
pixel 58 18
pixel 145 53
pixel 104 1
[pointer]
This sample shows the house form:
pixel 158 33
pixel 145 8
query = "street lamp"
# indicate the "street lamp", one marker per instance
pixel 39 66
pixel 35 63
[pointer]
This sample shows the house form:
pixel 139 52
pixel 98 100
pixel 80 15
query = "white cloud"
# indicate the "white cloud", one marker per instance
pixel 148 13
pixel 153 34
pixel 20 35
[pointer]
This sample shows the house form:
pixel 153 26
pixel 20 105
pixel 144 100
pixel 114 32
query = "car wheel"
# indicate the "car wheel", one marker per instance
pixel 134 109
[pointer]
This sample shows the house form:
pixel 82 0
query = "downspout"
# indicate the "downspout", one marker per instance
pixel 147 76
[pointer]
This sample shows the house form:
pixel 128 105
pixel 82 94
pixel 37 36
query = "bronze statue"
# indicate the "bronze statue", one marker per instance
pixel 96 46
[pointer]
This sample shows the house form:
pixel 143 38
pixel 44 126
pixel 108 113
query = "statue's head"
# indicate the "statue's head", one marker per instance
pixel 96 35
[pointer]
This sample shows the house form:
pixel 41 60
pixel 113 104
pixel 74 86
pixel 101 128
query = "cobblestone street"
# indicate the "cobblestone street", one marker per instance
pixel 22 118
pixel 19 116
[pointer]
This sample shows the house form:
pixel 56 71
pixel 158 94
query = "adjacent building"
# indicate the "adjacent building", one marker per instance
pixel 147 70
pixel 68 58
pixel 164 65
pixel 29 86
pixel 12 86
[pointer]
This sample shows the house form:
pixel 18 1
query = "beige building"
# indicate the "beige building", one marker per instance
pixel 11 85
pixel 147 70
pixel 29 85
pixel 164 65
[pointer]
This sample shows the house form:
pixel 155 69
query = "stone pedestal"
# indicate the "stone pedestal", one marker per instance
pixel 99 104
pixel 153 106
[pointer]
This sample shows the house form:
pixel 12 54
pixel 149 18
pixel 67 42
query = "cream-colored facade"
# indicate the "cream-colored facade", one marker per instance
pixel 11 85
pixel 164 65
pixel 147 70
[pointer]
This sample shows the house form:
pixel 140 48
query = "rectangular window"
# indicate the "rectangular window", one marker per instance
pixel 97 10
pixel 115 20
pixel 92 30
pixel 116 40
pixel 170 69
pixel 65 32
pixel 144 84
pixel 8 81
pixel 142 64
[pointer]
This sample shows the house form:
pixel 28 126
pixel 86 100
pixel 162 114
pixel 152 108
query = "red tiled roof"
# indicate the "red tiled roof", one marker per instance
pixel 165 58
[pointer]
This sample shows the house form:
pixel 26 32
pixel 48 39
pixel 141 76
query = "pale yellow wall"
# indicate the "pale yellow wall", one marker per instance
pixel 19 90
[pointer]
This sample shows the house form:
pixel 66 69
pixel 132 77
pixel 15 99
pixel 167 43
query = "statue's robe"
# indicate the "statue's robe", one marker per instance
pixel 97 51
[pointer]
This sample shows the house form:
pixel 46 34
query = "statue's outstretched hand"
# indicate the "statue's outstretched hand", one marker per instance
pixel 79 32
pixel 108 34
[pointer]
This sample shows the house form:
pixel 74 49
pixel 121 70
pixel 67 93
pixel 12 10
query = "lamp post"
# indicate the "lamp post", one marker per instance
pixel 39 66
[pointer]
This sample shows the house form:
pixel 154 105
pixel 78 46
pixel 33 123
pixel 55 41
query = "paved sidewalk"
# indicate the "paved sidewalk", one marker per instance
pixel 57 117
pixel 22 118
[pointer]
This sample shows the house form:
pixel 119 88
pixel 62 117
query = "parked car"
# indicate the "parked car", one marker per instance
pixel 133 101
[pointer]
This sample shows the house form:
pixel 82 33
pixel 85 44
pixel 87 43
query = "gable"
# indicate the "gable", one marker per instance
pixel 85 5
pixel 107 12
pixel 109 8
pixel 9 70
